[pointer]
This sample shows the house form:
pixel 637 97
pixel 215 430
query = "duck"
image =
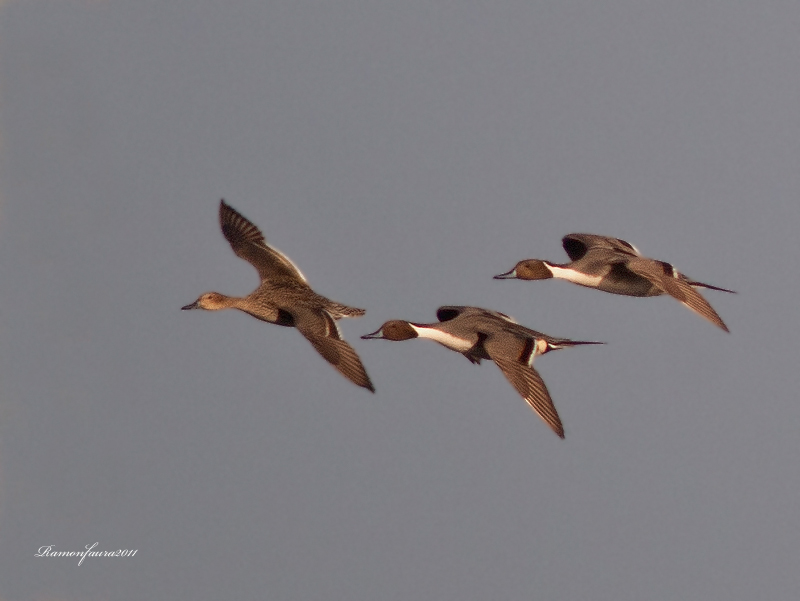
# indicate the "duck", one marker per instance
pixel 480 334
pixel 615 266
pixel 285 297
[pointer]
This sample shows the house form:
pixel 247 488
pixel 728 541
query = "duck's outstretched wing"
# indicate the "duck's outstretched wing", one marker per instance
pixel 529 384
pixel 450 312
pixel 667 278
pixel 577 245
pixel 248 243
pixel 320 329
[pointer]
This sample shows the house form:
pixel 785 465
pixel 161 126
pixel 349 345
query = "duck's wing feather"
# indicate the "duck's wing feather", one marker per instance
pixel 577 245
pixel 248 243
pixel 513 352
pixel 320 329
pixel 667 278
pixel 529 384
pixel 450 312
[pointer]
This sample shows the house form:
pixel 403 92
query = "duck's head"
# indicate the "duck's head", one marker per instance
pixel 529 269
pixel 396 329
pixel 210 301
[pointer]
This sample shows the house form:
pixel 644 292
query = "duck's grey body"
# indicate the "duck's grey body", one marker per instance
pixel 484 334
pixel 616 266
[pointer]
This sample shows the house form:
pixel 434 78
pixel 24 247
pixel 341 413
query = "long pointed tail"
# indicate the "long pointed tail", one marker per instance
pixel 555 344
pixel 709 286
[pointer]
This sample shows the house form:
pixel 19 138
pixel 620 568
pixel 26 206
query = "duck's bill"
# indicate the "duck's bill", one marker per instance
pixel 375 335
pixel 194 305
pixel 508 275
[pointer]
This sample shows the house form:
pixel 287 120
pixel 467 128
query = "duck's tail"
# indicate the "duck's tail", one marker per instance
pixel 709 286
pixel 555 344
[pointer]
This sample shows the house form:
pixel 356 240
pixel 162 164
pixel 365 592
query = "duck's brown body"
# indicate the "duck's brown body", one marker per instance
pixel 285 298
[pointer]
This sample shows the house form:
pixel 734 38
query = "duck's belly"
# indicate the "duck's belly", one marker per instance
pixel 631 285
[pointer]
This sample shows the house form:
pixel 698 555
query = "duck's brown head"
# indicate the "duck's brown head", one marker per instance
pixel 529 269
pixel 396 329
pixel 210 301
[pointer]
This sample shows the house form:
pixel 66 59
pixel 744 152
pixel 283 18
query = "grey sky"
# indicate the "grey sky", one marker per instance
pixel 401 154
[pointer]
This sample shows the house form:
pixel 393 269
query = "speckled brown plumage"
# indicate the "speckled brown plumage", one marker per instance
pixel 285 298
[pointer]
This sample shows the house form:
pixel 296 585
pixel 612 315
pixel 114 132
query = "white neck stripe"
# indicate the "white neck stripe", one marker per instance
pixel 448 340
pixel 576 277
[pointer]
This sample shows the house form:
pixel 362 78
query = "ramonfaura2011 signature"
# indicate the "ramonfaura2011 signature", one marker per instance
pixel 48 551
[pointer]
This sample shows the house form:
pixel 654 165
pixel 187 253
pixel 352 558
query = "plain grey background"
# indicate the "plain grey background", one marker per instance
pixel 401 153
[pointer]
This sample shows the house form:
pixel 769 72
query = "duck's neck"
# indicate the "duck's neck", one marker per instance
pixel 565 272
pixel 228 302
pixel 444 338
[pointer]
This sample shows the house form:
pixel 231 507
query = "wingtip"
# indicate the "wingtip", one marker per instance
pixel 224 210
